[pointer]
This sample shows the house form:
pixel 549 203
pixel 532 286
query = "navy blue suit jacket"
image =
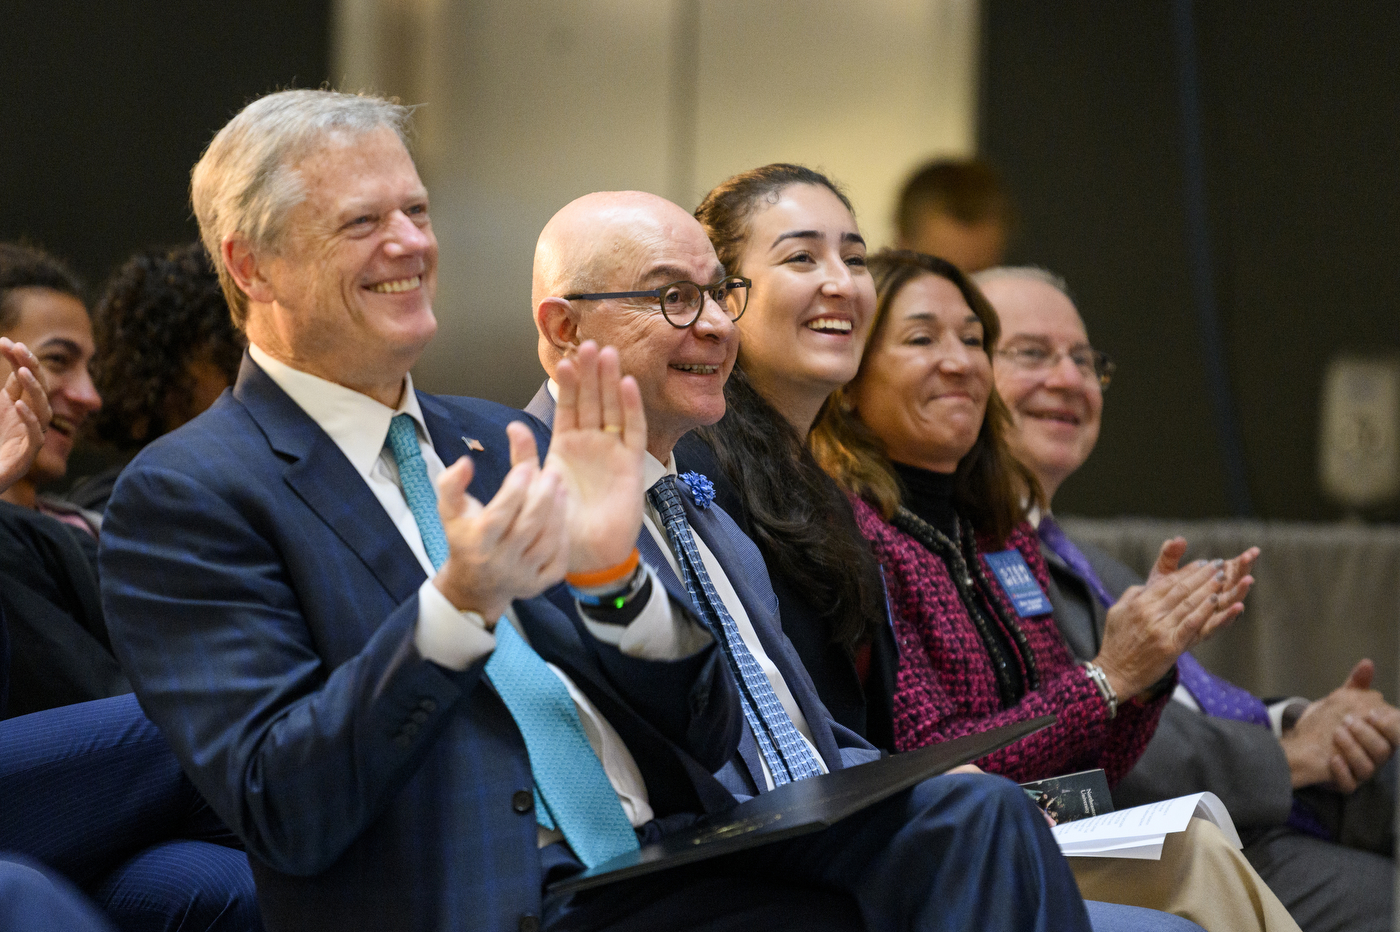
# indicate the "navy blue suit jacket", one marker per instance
pixel 265 606
pixel 743 565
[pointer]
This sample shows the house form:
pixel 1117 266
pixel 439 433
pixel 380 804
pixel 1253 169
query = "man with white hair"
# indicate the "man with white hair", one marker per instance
pixel 1298 778
pixel 331 607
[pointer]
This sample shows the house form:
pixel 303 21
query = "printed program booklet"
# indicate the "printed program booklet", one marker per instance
pixel 1140 832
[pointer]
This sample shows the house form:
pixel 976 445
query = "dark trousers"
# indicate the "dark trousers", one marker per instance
pixel 955 852
pixel 93 791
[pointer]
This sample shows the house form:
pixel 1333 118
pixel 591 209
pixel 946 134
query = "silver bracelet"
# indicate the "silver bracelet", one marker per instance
pixel 1110 698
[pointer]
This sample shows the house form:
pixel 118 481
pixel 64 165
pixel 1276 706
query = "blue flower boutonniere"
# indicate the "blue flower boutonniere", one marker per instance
pixel 701 489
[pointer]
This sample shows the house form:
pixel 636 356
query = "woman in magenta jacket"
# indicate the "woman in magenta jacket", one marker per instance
pixel 918 439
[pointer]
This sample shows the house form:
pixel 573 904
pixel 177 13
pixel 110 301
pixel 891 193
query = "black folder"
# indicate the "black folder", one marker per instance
pixel 800 807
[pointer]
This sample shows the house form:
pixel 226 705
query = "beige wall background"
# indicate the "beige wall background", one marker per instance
pixel 528 104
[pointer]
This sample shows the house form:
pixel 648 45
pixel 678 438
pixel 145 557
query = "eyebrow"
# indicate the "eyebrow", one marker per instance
pixel 817 234
pixel 665 274
pixel 60 343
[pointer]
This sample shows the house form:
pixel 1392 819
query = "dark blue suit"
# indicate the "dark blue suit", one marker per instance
pixel 955 852
pixel 265 607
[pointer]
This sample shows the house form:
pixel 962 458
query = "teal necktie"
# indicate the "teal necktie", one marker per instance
pixel 572 792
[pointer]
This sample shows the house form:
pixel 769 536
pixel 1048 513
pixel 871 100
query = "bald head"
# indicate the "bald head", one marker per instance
pixel 633 241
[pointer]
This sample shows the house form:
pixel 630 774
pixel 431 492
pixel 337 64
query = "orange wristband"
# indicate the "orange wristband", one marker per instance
pixel 603 577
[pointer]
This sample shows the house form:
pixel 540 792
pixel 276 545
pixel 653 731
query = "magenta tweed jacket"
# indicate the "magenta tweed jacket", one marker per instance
pixel 946 688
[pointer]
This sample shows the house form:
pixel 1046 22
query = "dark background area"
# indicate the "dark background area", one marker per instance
pixel 1299 103
pixel 107 106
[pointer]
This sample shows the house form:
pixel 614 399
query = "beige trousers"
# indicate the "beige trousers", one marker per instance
pixel 1201 877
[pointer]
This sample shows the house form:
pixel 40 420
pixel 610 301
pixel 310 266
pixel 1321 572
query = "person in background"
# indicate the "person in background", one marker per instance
pixel 166 348
pixel 957 209
pixel 60 652
pixel 91 790
pixel 1311 785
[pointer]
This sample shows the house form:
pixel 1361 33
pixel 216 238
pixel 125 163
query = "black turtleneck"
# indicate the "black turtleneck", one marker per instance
pixel 929 495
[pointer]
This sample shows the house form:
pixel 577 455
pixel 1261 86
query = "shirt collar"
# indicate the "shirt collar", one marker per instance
pixel 653 469
pixel 357 423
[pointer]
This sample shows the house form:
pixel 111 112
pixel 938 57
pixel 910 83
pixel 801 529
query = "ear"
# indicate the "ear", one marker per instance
pixel 247 272
pixel 557 321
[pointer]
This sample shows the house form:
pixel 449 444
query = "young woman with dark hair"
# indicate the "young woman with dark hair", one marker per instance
pixel 792 231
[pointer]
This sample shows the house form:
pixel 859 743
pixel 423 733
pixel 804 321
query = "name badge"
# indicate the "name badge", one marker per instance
pixel 1018 582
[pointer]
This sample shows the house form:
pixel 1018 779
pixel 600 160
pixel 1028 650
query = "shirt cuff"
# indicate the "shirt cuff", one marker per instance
pixel 661 631
pixel 1284 713
pixel 448 637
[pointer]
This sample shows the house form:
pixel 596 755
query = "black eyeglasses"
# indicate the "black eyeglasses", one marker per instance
pixel 681 302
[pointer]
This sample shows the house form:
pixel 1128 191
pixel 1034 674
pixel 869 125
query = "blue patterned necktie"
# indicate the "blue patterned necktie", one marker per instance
pixel 784 750
pixel 572 792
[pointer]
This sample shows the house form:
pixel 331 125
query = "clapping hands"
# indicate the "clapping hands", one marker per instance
pixel 581 511
pixel 1152 625
pixel 24 412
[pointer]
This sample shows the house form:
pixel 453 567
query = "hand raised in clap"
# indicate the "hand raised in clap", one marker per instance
pixel 515 546
pixel 599 440
pixel 1152 625
pixel 24 412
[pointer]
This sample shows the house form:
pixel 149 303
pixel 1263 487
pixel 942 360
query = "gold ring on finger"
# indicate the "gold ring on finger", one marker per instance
pixel 612 428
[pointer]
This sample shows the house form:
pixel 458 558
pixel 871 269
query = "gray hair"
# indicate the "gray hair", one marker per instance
pixel 247 181
pixel 1033 272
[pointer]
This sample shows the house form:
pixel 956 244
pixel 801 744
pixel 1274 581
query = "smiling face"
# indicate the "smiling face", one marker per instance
pixel 56 328
pixel 811 304
pixel 349 296
pixel 924 384
pixel 1055 412
pixel 681 372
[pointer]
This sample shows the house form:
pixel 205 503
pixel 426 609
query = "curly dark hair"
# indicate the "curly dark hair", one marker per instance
pixel 160 313
pixel 801 521
pixel 24 266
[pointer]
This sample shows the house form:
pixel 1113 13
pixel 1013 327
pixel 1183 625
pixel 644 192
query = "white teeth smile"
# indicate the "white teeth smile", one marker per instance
pixel 696 368
pixel 403 284
pixel 830 325
pixel 63 425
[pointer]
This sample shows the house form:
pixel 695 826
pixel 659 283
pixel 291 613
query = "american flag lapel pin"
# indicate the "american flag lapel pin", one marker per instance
pixel 474 444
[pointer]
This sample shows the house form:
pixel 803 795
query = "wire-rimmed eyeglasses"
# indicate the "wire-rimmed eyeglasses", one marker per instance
pixel 1094 365
pixel 682 301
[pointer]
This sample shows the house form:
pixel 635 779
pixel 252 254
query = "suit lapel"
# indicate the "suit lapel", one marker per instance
pixel 1071 597
pixel 542 405
pixel 324 479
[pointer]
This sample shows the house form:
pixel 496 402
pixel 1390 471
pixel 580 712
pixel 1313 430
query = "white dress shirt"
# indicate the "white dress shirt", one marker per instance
pixel 359 426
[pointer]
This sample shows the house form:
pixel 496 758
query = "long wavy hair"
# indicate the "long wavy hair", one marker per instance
pixel 799 518
pixel 991 486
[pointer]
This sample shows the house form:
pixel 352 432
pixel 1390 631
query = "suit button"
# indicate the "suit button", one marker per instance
pixel 420 716
pixel 523 801
pixel 529 923
pixel 428 705
pixel 410 729
pixel 403 741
